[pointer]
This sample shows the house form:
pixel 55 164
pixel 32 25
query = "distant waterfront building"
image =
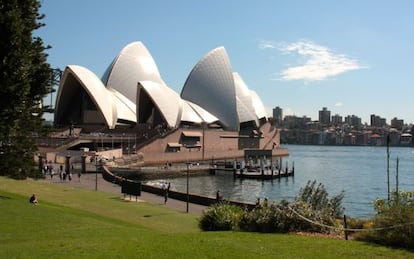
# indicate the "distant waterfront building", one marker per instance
pixel 325 116
pixel 397 124
pixel 377 121
pixel 337 119
pixel 278 114
pixel 293 121
pixel 353 120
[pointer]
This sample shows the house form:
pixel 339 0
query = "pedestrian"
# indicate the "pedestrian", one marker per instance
pixel 51 171
pixel 165 195
pixel 219 196
pixel 258 202
pixel 61 172
pixel 33 199
pixel 265 202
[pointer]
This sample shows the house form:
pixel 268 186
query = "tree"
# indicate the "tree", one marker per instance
pixel 25 79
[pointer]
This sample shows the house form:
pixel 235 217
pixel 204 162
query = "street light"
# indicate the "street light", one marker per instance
pixel 203 124
pixel 96 173
pixel 188 196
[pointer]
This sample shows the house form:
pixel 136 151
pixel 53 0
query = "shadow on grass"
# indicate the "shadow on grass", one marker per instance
pixel 379 245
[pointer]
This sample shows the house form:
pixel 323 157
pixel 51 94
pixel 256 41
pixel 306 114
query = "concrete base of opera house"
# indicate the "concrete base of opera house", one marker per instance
pixel 211 145
pixel 204 145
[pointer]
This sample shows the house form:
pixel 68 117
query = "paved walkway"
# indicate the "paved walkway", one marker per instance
pixel 88 181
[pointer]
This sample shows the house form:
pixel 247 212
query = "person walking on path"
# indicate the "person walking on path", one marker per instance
pixel 219 196
pixel 166 189
pixel 33 199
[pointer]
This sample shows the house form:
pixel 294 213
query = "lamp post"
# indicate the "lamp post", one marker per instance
pixel 83 171
pixel 203 124
pixel 388 166
pixel 128 146
pixel 188 196
pixel 67 165
pixel 96 173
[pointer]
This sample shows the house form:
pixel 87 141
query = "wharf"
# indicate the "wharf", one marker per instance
pixel 259 171
pixel 263 175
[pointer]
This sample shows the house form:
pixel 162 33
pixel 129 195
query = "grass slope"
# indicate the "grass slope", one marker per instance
pixel 77 223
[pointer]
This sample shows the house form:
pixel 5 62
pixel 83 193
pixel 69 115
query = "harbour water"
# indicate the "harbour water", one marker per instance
pixel 361 172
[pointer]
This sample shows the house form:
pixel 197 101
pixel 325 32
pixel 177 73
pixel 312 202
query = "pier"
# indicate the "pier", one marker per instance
pixel 265 170
pixel 264 174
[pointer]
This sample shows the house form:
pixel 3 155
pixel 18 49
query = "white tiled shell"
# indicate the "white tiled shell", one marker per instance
pixel 204 115
pixel 101 97
pixel 133 64
pixel 211 86
pixel 211 93
pixel 166 99
pixel 189 114
pixel 258 105
pixel 126 109
pixel 245 109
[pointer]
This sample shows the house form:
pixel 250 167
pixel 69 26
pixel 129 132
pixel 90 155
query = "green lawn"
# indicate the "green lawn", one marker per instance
pixel 78 223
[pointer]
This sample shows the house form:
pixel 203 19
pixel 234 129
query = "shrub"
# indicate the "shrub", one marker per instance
pixel 266 219
pixel 393 223
pixel 312 203
pixel 221 216
pixel 355 223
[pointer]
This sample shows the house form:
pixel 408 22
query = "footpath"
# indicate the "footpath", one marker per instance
pixel 89 180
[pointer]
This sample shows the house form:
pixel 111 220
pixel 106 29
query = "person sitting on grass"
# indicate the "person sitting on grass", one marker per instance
pixel 33 199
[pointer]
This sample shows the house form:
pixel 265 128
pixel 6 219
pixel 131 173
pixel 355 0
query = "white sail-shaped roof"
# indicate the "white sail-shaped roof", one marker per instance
pixel 189 114
pixel 133 64
pixel 258 106
pixel 245 109
pixel 165 99
pixel 244 113
pixel 126 109
pixel 132 91
pixel 204 115
pixel 93 87
pixel 211 86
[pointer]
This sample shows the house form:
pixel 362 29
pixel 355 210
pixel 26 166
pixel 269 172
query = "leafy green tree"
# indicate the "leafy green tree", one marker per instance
pixel 25 79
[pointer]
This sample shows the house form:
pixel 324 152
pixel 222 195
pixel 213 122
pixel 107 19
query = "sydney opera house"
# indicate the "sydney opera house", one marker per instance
pixel 215 111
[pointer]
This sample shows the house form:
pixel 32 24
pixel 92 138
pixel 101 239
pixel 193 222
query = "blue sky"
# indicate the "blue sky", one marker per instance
pixel 353 57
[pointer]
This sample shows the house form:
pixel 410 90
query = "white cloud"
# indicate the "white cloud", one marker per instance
pixel 265 44
pixel 338 104
pixel 317 63
pixel 288 111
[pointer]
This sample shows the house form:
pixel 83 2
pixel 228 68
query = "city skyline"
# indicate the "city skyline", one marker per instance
pixel 342 116
pixel 352 56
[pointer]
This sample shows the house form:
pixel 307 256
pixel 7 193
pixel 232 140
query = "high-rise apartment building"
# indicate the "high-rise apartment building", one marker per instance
pixel 278 114
pixel 336 119
pixel 325 116
pixel 377 121
pixel 353 120
pixel 397 124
